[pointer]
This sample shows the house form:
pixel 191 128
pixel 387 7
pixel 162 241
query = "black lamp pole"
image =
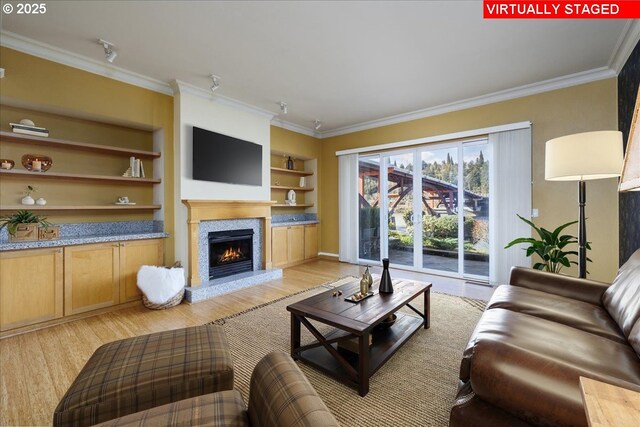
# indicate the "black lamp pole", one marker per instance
pixel 582 236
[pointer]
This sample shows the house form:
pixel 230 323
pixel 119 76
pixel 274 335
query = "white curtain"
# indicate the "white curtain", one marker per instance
pixel 510 175
pixel 348 207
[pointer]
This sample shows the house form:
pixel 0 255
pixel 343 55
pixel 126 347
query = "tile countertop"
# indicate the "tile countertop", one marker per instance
pixel 80 240
pixel 290 223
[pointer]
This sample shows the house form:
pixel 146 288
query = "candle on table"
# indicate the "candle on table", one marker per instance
pixel 36 165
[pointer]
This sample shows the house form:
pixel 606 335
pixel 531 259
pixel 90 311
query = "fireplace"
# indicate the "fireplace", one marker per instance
pixel 230 252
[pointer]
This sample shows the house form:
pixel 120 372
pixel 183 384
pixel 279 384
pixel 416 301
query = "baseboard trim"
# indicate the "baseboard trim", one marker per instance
pixel 67 319
pixel 328 256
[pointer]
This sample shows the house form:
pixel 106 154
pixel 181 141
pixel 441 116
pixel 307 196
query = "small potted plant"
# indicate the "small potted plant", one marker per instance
pixel 551 247
pixel 23 225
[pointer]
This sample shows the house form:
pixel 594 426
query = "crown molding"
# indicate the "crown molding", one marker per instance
pixel 503 95
pixel 180 87
pixel 628 40
pixel 277 121
pixel 65 57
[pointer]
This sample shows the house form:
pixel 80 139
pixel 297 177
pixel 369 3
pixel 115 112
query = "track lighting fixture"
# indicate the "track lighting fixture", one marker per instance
pixel 215 82
pixel 109 53
pixel 317 124
pixel 284 108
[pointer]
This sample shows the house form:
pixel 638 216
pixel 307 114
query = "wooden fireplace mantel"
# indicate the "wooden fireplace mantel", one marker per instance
pixel 207 210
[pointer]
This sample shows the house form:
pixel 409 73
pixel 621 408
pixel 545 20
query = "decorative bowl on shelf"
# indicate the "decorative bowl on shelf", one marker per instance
pixel 36 162
pixel 7 164
pixel 386 323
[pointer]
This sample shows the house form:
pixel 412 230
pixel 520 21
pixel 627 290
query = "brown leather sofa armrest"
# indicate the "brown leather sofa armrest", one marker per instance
pixel 281 396
pixel 566 286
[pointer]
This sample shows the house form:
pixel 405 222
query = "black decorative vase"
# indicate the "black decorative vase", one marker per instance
pixel 290 164
pixel 386 287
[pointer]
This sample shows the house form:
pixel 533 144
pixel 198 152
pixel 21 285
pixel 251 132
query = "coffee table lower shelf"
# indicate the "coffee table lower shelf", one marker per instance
pixel 385 343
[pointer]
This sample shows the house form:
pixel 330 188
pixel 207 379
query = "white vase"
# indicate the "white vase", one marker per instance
pixel 41 202
pixel 291 197
pixel 28 200
pixel 302 181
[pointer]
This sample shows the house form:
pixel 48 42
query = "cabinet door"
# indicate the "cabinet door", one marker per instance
pixel 295 239
pixel 279 246
pixel 30 287
pixel 91 277
pixel 310 241
pixel 134 255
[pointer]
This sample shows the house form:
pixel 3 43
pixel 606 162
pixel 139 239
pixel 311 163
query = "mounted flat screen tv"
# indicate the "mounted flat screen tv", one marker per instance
pixel 222 158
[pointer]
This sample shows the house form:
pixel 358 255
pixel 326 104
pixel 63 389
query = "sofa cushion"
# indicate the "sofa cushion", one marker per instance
pixel 221 409
pixel 622 299
pixel 531 367
pixel 578 314
pixel 280 395
pixel 634 337
pixel 135 374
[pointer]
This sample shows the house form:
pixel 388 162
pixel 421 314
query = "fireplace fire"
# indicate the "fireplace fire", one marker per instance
pixel 230 252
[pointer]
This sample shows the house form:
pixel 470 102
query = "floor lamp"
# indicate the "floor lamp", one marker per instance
pixel 582 157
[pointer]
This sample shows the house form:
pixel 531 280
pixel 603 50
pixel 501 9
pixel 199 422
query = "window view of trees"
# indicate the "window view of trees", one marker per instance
pixel 440 207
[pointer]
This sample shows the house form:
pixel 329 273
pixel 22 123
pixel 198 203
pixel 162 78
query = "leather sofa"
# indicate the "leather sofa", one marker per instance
pixel 538 335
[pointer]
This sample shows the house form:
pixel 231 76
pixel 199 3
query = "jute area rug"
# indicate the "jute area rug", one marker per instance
pixel 415 387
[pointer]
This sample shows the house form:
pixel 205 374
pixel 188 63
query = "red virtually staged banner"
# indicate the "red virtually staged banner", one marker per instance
pixel 501 9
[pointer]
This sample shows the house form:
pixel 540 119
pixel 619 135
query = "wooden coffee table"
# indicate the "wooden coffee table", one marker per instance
pixel 357 321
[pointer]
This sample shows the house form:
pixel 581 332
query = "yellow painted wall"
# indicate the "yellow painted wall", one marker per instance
pixel 583 108
pixel 86 107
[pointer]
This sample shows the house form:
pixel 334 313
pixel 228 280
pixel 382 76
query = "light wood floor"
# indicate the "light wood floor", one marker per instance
pixel 36 368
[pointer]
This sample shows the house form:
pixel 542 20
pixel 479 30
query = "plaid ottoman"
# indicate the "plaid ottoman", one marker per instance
pixel 139 373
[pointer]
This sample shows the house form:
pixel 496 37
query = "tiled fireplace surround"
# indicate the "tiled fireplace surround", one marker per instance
pixel 204 216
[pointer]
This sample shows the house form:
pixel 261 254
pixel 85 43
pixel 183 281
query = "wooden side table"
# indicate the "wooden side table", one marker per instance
pixel 608 405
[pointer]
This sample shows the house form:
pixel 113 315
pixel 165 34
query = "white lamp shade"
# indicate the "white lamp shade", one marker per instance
pixel 584 156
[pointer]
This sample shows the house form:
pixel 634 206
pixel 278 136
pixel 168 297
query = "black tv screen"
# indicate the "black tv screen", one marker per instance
pixel 222 158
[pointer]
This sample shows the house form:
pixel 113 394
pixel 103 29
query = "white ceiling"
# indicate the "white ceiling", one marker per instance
pixel 344 63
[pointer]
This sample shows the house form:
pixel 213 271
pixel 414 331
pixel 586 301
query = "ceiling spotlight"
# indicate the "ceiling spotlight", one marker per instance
pixel 109 53
pixel 317 124
pixel 215 82
pixel 284 108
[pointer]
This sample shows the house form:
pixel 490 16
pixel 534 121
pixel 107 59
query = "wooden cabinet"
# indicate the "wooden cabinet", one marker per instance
pixel 31 287
pixel 279 246
pixel 310 241
pixel 41 285
pixel 133 255
pixel 295 240
pixel 91 277
pixel 293 244
pixel 105 274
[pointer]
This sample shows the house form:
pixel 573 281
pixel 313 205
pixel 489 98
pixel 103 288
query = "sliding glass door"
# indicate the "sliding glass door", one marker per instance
pixel 476 210
pixel 369 208
pixel 399 206
pixel 440 209
pixel 433 214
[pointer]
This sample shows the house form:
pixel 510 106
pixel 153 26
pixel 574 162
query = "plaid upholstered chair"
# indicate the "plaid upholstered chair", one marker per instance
pixel 279 396
pixel 134 374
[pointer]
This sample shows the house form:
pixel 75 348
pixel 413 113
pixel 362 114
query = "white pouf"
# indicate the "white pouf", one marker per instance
pixel 160 284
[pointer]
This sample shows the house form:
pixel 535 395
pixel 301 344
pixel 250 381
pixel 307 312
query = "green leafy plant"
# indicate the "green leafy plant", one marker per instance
pixel 22 217
pixel 550 247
